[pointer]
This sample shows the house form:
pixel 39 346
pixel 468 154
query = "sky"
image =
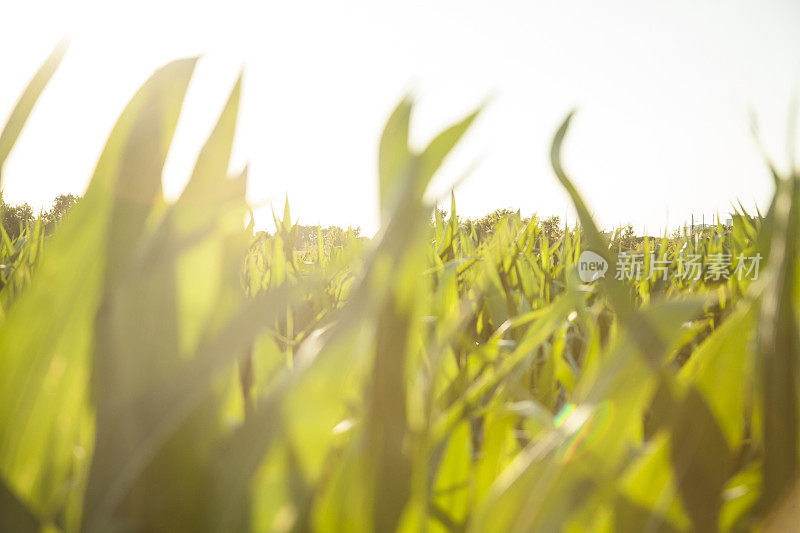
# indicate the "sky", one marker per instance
pixel 664 92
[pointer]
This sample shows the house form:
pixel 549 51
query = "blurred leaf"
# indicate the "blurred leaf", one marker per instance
pixel 24 106
pixel 394 156
pixel 648 484
pixel 778 348
pixel 701 460
pixel 127 349
pixel 14 515
pixel 632 517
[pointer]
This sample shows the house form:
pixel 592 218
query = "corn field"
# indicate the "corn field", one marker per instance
pixel 165 368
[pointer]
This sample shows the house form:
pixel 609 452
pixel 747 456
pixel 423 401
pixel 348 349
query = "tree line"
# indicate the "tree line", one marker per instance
pixel 17 218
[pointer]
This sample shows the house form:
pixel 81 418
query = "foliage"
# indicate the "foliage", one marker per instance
pixel 624 239
pixel 485 225
pixel 162 369
pixel 19 219
pixel 552 229
pixel 16 218
pixel 62 205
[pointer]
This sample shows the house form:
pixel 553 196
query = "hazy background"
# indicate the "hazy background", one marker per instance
pixel 663 91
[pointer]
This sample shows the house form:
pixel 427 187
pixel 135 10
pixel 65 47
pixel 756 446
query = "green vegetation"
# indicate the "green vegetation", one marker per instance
pixel 19 219
pixel 163 368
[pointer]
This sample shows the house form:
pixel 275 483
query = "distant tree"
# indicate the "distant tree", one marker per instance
pixel 485 225
pixel 16 218
pixel 61 206
pixel 551 228
pixel 336 236
pixel 624 239
pixel 306 236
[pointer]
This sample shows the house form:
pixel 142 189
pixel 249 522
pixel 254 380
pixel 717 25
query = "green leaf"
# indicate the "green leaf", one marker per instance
pixel 632 517
pixel 701 459
pixel 721 370
pixel 643 333
pixel 128 352
pixel 24 106
pixel 779 344
pixel 394 156
pixel 14 515
pixel 649 485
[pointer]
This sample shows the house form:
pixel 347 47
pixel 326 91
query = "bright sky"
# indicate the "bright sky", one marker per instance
pixel 663 92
